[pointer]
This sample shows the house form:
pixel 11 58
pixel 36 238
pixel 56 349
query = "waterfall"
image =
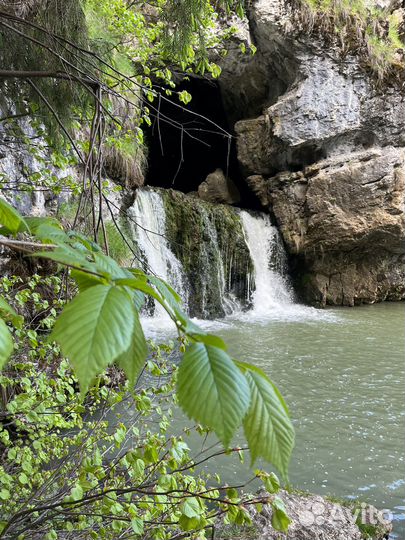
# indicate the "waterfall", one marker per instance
pixel 271 289
pixel 148 224
pixel 220 260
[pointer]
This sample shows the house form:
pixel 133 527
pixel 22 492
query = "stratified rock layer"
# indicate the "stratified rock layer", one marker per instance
pixel 343 219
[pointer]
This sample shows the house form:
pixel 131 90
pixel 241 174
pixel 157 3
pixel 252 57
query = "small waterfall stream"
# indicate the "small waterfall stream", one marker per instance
pixel 272 291
pixel 148 224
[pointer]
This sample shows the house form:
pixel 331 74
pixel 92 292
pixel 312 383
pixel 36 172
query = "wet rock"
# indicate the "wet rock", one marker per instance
pixel 216 188
pixel 209 241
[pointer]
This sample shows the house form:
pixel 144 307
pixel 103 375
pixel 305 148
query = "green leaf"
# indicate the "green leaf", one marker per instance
pixel 94 329
pixel 190 507
pixel 85 280
pixel 272 483
pixel 34 222
pixel 49 233
pixel 189 524
pixel 209 339
pixel 133 360
pixel 9 314
pixel 212 390
pixel 140 286
pixel 11 219
pixel 279 518
pixel 69 257
pixel 137 525
pixel 6 343
pixel 76 493
pixel 185 97
pixel 267 425
pixel 107 265
pixel 165 290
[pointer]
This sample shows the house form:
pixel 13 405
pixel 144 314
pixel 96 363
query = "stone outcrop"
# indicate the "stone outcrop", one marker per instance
pixel 316 518
pixel 325 156
pixel 216 188
pixel 342 219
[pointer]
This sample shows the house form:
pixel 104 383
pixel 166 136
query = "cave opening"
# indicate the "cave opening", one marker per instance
pixel 188 142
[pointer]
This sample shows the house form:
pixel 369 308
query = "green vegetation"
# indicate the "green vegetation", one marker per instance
pixel 73 469
pixel 100 327
pixel 355 28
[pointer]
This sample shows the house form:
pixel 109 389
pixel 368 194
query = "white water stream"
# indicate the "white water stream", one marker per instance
pixel 272 291
pixel 148 221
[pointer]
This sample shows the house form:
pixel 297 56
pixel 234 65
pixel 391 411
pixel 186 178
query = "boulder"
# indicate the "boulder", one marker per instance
pixel 216 188
pixel 342 221
pixel 316 518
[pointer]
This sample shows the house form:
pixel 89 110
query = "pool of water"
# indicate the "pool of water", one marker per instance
pixel 342 373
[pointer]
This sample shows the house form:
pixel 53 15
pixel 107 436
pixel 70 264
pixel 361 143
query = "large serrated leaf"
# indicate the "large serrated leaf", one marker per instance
pixel 133 360
pixel 69 257
pixel 51 233
pixel 34 222
pixel 6 343
pixel 267 425
pixel 212 389
pixel 9 314
pixel 9 217
pixel 94 329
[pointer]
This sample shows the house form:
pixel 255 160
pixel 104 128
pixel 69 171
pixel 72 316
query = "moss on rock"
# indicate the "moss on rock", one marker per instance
pixel 209 241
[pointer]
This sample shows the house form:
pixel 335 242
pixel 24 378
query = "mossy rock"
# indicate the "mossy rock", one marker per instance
pixel 209 241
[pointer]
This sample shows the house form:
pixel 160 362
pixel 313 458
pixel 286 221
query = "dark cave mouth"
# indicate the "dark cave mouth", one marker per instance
pixel 188 142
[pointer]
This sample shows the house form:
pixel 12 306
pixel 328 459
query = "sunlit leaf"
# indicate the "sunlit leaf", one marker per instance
pixel 94 329
pixel 279 517
pixel 6 343
pixel 133 360
pixel 11 219
pixel 267 425
pixel 212 389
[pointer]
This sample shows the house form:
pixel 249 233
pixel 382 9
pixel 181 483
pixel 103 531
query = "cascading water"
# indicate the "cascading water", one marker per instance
pixel 148 223
pixel 205 267
pixel 271 292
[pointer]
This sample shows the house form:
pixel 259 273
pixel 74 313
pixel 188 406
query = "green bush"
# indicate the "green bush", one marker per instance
pixel 74 470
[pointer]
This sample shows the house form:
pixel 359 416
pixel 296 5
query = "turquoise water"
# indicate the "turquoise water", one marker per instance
pixel 342 373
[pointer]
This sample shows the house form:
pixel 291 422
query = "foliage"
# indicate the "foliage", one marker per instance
pixel 105 467
pixel 101 325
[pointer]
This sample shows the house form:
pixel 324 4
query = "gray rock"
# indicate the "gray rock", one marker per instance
pixel 323 150
pixel 216 188
pixel 316 518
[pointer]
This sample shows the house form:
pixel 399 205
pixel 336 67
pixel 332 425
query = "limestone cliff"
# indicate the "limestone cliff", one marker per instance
pixel 322 145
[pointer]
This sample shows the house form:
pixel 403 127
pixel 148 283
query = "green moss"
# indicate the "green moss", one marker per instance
pixel 206 237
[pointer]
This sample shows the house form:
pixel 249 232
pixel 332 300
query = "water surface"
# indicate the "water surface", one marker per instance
pixel 342 372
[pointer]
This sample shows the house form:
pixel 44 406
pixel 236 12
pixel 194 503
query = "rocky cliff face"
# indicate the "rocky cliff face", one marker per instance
pixel 323 149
